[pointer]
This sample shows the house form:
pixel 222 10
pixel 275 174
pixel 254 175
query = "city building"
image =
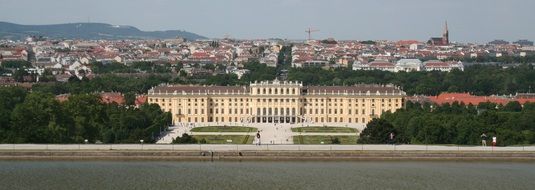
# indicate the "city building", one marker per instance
pixel 375 65
pixel 441 41
pixel 276 102
pixel 408 65
pixel 436 65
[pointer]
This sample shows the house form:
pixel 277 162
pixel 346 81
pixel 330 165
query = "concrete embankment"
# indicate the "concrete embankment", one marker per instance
pixel 165 155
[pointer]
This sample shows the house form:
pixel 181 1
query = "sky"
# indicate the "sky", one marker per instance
pixel 476 21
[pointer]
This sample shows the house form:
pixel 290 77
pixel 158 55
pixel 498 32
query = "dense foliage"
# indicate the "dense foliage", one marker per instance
pixel 477 79
pixel 106 83
pixel 186 139
pixel 135 67
pixel 454 124
pixel 16 64
pixel 39 118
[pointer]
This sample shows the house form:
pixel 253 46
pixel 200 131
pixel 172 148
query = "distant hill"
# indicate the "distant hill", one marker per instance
pixel 88 31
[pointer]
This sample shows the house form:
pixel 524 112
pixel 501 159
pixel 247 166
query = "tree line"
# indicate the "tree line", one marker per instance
pixel 135 67
pixel 36 117
pixel 457 123
pixel 476 79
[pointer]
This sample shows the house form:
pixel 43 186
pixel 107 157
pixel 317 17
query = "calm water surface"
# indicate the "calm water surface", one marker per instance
pixel 265 175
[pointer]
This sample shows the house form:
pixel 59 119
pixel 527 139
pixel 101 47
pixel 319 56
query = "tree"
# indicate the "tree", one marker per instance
pixel 40 119
pixel 16 64
pixel 186 139
pixel 513 106
pixel 130 98
pixel 10 97
pixel 19 75
pixel 335 140
pixel 376 132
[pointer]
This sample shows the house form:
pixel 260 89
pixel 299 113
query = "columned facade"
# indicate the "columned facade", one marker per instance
pixel 276 102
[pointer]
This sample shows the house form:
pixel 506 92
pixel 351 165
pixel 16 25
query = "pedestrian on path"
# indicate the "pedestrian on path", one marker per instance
pixel 494 141
pixel 483 139
pixel 258 138
pixel 391 137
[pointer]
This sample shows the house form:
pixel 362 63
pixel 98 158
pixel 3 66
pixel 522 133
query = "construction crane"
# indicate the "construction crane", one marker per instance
pixel 310 31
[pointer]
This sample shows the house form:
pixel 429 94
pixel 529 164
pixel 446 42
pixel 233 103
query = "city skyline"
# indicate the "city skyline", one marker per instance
pixel 339 19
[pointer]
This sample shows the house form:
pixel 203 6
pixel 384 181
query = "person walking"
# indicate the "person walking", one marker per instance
pixel 494 141
pixel 258 138
pixel 391 137
pixel 483 139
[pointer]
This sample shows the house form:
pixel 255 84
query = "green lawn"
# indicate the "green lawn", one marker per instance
pixel 222 139
pixel 224 129
pixel 302 139
pixel 324 130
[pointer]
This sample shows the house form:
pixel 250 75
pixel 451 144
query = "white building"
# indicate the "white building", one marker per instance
pixel 436 65
pixel 408 65
pixel 375 65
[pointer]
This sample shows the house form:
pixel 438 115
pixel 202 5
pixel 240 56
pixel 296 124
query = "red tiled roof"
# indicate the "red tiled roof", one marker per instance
pixel 112 97
pixel 525 100
pixel 140 100
pixel 466 99
pixel 436 64
pixel 381 64
pixel 407 42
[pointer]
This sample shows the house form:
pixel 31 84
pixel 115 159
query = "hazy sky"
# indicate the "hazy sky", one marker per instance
pixel 469 20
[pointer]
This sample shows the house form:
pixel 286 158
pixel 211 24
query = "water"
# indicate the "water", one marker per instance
pixel 265 175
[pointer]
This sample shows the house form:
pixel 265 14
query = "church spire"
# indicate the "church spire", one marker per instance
pixel 446 34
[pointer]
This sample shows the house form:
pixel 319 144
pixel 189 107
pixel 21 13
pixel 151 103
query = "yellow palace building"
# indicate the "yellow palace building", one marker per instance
pixel 276 102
